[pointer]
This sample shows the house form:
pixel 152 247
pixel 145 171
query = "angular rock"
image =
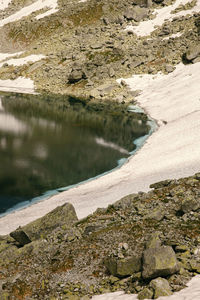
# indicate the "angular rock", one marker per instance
pixel 196 60
pixel 136 14
pixel 96 46
pixel 142 3
pixel 20 236
pixel 161 287
pixel 193 53
pixel 189 204
pixel 160 261
pixel 111 72
pixel 123 267
pixel 136 63
pixel 61 215
pixel 169 68
pixel 75 76
pixel 145 294
pixel 195 266
pixel 153 241
pixel 94 93
pixel 156 214
pixel 149 3
pixel 107 88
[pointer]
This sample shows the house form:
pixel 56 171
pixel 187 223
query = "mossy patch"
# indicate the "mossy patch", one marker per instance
pixel 108 56
pixel 87 16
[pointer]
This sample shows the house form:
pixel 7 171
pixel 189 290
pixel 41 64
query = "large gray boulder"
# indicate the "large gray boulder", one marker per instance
pixel 40 228
pixel 123 267
pixel 193 53
pixel 161 287
pixel 189 203
pixel 146 293
pixel 160 261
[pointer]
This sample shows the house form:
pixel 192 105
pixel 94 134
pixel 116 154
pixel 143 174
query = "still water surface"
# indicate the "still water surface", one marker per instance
pixel 50 143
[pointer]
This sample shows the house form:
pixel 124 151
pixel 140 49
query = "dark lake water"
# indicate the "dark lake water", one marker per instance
pixel 52 142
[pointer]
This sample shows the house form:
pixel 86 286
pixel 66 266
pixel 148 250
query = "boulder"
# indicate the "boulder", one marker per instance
pixel 161 287
pixel 169 68
pixel 61 215
pixel 123 267
pixel 153 241
pixel 156 214
pixel 107 88
pixel 20 236
pixel 189 203
pixel 136 14
pixel 160 261
pixel 142 3
pixel 192 53
pixel 146 293
pixel 195 266
pixel 197 23
pixel 111 72
pixel 96 46
pixel 196 60
pixel 75 76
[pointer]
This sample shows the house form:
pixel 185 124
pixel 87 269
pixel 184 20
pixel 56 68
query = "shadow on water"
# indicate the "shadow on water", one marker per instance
pixel 47 142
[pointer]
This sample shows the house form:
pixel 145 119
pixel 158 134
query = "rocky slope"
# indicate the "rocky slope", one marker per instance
pixel 87 45
pixel 145 243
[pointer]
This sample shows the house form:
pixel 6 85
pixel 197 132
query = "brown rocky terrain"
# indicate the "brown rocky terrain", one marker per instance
pixel 145 243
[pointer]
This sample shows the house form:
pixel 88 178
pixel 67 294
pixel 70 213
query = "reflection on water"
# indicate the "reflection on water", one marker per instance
pixel 106 144
pixel 47 144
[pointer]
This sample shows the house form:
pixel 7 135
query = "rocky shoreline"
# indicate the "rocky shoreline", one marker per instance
pixel 145 243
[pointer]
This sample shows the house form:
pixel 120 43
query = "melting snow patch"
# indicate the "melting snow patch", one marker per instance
pixel 19 85
pixel 23 60
pixel 7 55
pixel 173 36
pixel 162 99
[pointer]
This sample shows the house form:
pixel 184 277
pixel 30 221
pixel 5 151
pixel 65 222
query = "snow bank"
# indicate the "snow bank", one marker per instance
pixel 19 85
pixel 3 56
pixel 23 60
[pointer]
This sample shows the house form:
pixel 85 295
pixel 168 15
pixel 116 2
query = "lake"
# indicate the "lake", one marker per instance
pixel 49 142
